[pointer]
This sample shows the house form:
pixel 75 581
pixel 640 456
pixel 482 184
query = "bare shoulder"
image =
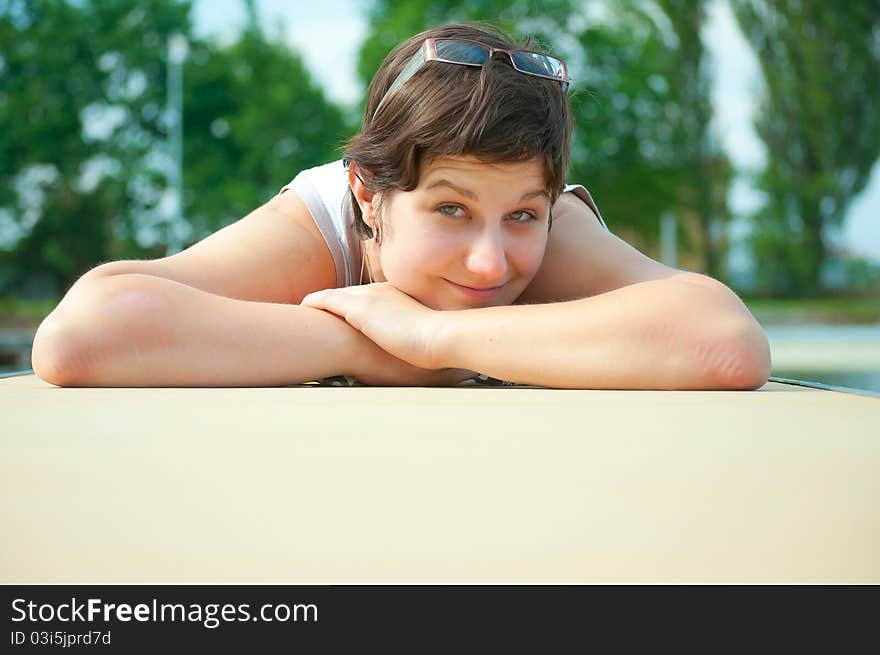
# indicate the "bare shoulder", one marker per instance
pixel 289 204
pixel 274 254
pixel 584 259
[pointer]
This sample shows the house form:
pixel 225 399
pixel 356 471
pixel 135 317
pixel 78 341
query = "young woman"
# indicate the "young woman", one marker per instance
pixel 444 244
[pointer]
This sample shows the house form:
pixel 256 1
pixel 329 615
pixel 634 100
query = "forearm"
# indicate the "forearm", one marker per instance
pixel 662 334
pixel 142 330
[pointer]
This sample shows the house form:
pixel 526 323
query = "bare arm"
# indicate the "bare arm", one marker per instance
pixel 659 334
pixel 141 330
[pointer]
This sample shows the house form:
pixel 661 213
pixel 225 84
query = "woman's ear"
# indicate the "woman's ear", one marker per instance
pixel 362 195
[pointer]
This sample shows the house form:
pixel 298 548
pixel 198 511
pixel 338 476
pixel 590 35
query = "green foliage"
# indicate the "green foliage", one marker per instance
pixel 629 123
pixel 702 193
pixel 18 313
pixel 253 119
pixel 83 132
pixel 623 137
pixel 815 310
pixel 819 117
pixel 63 189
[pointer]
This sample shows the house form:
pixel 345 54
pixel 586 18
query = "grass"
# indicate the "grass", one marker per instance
pixel 818 310
pixel 18 313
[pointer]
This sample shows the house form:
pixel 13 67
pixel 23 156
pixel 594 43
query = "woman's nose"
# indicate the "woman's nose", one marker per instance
pixel 486 258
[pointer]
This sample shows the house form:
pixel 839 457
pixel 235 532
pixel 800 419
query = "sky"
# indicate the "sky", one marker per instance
pixel 337 27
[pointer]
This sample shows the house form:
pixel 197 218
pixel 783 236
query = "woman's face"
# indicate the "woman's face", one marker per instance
pixel 467 224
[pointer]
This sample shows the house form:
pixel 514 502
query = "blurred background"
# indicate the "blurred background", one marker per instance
pixel 736 138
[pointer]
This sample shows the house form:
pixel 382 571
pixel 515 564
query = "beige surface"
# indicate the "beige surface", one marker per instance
pixel 335 485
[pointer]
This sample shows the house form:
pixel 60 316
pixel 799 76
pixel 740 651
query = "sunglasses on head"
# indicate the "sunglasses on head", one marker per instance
pixel 471 53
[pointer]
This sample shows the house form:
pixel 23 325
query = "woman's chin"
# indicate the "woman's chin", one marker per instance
pixel 468 304
pixel 443 305
pixel 446 304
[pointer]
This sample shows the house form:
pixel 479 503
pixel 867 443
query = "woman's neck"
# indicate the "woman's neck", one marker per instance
pixel 366 276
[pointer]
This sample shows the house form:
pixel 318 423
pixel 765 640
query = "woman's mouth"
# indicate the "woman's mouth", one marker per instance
pixel 482 294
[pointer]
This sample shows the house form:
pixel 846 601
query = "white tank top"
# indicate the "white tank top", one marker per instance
pixel 325 192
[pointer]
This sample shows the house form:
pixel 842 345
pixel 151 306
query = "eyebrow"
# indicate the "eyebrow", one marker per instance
pixel 473 196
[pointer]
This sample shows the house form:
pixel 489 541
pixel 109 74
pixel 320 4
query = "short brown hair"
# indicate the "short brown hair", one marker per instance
pixel 492 112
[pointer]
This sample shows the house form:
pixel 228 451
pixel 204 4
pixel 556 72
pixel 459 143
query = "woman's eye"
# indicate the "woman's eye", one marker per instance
pixel 523 216
pixel 449 210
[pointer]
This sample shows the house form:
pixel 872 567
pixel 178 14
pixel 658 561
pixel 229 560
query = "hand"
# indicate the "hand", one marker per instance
pixel 385 370
pixel 394 321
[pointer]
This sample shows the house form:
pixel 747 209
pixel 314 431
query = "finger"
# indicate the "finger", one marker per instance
pixel 325 301
pixel 346 306
pixel 314 299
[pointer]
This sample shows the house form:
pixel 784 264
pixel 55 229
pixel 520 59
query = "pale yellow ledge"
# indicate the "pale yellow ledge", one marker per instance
pixel 454 485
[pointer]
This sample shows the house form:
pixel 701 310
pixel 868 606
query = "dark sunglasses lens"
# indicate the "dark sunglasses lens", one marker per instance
pixel 538 64
pixel 461 52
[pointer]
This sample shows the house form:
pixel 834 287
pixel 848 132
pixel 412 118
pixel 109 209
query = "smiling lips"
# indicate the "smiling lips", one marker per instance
pixel 477 293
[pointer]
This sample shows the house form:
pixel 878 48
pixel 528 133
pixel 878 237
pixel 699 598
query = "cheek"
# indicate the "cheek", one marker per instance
pixel 529 254
pixel 412 262
pixel 415 271
pixel 426 251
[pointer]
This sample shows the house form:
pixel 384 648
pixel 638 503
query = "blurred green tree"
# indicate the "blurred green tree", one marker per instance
pixel 643 139
pixel 702 193
pixel 81 92
pixel 254 118
pixel 84 158
pixel 819 118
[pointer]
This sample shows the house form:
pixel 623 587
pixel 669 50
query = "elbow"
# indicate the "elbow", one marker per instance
pixel 78 334
pixel 51 352
pixel 85 341
pixel 733 351
pixel 66 343
pixel 58 355
pixel 741 361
